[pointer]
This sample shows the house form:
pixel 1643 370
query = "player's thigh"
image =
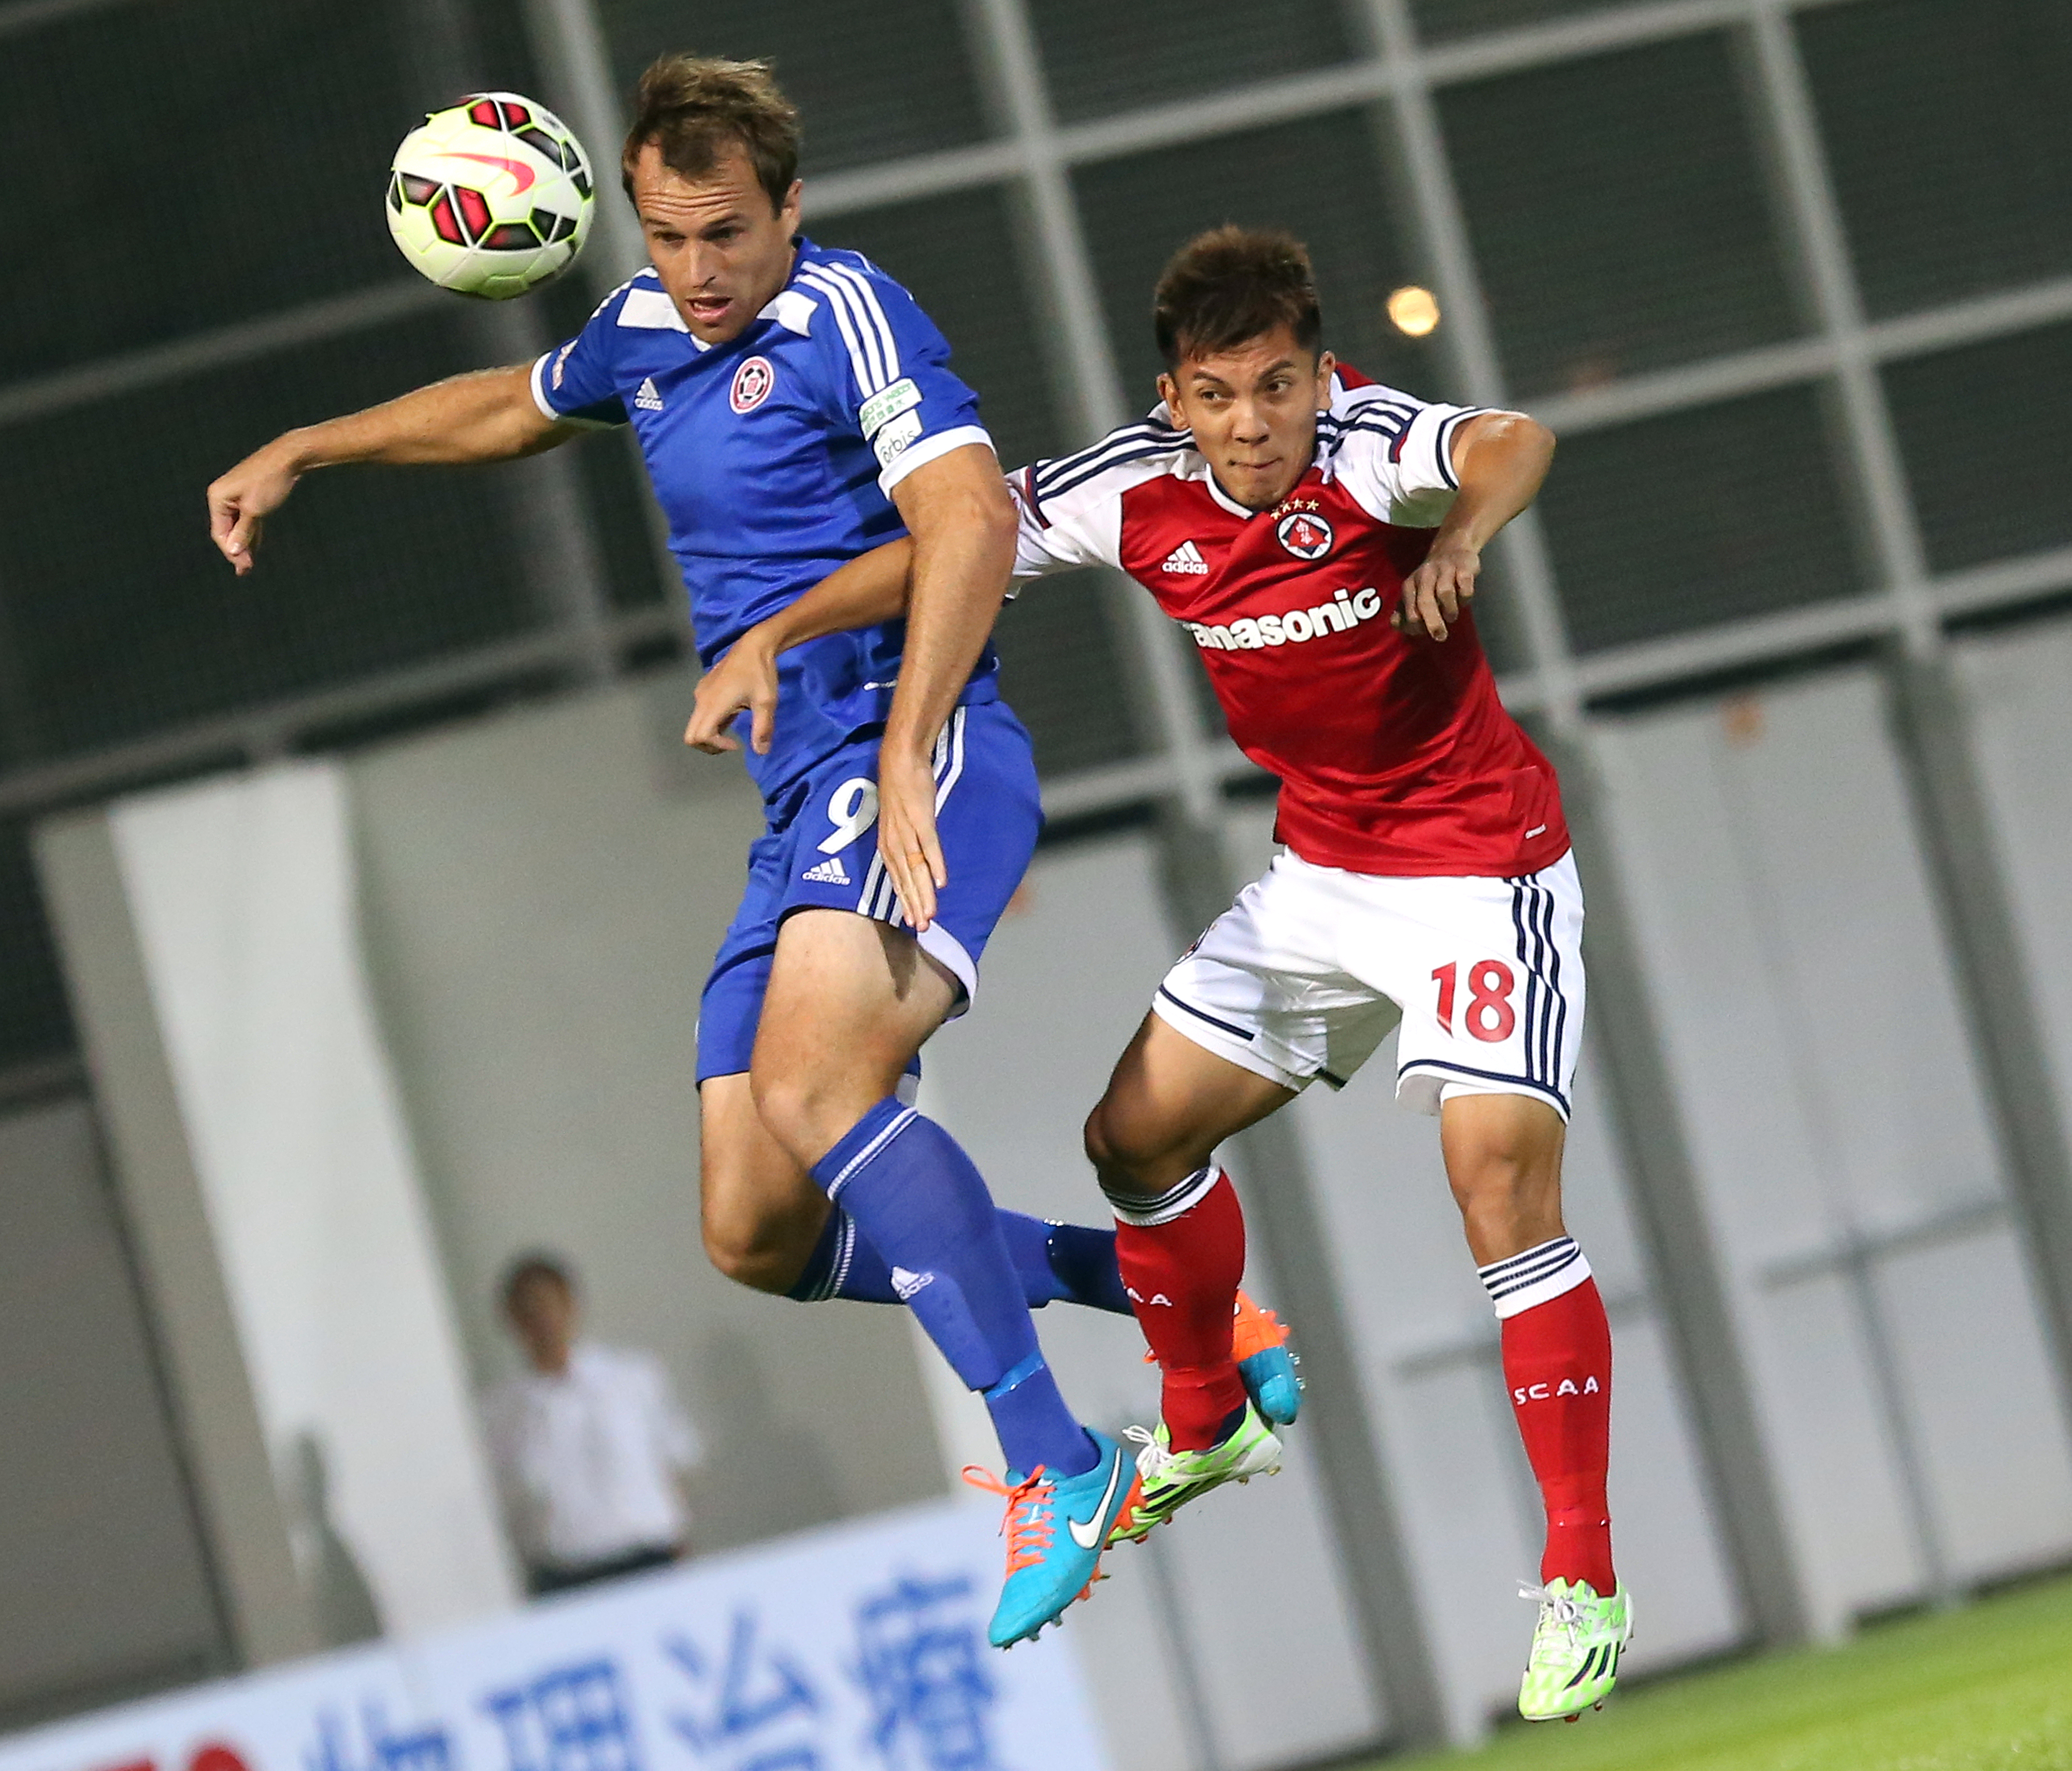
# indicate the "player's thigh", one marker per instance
pixel 1169 1103
pixel 1264 989
pixel 989 814
pixel 850 999
pixel 760 1213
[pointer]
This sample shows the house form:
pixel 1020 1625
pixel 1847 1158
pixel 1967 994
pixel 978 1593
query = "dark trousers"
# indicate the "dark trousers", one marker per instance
pixel 563 1577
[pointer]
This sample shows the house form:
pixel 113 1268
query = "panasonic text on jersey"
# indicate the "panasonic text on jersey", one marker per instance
pixel 1348 609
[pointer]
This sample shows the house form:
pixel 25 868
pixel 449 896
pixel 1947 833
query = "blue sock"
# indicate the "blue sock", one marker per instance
pixel 1066 1264
pixel 1079 1263
pixel 917 1200
pixel 844 1264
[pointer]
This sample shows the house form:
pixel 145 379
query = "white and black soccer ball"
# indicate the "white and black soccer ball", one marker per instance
pixel 491 196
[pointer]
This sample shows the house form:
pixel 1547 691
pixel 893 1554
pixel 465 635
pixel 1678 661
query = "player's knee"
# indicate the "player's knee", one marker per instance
pixel 1109 1146
pixel 764 1250
pixel 1130 1154
pixel 1488 1173
pixel 799 1114
pixel 738 1257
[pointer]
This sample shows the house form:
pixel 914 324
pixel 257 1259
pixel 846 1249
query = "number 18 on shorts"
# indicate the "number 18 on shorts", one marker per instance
pixel 1304 975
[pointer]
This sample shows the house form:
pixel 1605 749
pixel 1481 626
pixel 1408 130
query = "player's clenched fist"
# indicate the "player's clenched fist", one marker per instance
pixel 1435 595
pixel 240 501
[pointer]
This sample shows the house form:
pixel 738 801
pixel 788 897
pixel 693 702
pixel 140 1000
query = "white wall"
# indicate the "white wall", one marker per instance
pixel 2019 688
pixel 104 1579
pixel 543 892
pixel 243 893
pixel 1807 1002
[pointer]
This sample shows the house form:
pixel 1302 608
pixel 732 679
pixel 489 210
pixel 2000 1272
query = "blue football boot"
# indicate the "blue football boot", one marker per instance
pixel 1056 1528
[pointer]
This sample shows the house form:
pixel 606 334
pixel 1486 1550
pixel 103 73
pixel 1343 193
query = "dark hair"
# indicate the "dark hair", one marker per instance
pixel 694 107
pixel 528 1269
pixel 1232 285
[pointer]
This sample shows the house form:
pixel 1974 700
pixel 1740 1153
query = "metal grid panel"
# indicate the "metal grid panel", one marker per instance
pixel 1102 58
pixel 36 1020
pixel 960 257
pixel 1061 657
pixel 279 175
pixel 1981 428
pixel 1950 140
pixel 1139 211
pixel 1062 669
pixel 1698 519
pixel 872 82
pixel 1443 19
pixel 1617 213
pixel 123 617
pixel 892 97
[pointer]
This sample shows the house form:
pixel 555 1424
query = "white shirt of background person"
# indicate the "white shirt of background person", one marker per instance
pixel 589 1444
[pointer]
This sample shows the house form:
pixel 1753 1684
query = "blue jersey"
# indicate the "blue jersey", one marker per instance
pixel 773 456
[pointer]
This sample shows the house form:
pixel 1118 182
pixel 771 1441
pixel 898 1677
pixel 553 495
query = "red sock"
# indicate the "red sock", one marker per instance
pixel 1182 1256
pixel 1557 1365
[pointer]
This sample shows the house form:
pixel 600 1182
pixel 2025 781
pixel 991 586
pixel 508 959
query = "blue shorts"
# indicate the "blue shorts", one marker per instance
pixel 820 852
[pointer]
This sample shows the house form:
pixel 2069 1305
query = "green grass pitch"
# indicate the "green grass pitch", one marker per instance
pixel 1986 1688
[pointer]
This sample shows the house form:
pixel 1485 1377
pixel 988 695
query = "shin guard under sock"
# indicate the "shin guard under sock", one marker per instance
pixel 1557 1366
pixel 1182 1255
pixel 921 1206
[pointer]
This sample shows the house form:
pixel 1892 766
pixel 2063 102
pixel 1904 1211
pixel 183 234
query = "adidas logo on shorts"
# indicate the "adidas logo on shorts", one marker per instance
pixel 830 872
pixel 647 399
pixel 1185 561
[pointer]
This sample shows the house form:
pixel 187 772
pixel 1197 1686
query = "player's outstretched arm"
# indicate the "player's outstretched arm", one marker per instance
pixel 869 589
pixel 488 416
pixel 957 509
pixel 1499 459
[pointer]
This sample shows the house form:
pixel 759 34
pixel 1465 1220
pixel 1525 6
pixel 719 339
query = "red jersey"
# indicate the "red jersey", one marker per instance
pixel 1393 755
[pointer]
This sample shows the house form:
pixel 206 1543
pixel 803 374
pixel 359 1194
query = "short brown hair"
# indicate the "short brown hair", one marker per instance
pixel 1231 284
pixel 694 107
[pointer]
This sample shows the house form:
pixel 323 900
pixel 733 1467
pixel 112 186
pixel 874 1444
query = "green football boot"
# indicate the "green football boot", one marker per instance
pixel 1575 1649
pixel 1166 1479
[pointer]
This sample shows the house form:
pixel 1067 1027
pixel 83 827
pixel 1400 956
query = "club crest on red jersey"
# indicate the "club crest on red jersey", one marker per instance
pixel 752 383
pixel 1304 534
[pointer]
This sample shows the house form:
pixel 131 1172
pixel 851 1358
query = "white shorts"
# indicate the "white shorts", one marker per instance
pixel 1304 975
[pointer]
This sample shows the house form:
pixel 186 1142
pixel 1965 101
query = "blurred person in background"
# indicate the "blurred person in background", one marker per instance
pixel 589 1444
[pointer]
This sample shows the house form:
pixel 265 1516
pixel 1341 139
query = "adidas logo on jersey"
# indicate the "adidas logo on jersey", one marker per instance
pixel 1185 561
pixel 647 399
pixel 1348 609
pixel 830 872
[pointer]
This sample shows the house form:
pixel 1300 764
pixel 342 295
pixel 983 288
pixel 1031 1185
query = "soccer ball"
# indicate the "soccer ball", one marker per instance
pixel 490 197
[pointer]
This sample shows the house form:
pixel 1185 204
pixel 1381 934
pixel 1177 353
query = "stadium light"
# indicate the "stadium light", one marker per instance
pixel 1413 310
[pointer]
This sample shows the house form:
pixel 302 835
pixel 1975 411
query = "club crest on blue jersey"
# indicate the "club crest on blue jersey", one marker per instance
pixel 1305 535
pixel 752 383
